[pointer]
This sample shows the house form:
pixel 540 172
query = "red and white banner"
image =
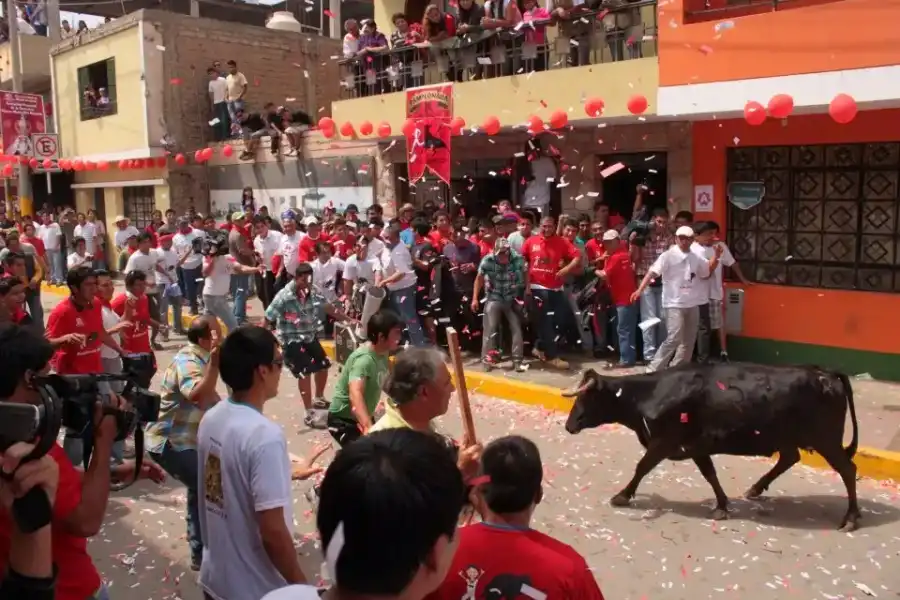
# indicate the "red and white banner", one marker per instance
pixel 21 116
pixel 428 142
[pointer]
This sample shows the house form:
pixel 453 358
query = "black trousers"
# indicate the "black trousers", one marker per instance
pixel 265 288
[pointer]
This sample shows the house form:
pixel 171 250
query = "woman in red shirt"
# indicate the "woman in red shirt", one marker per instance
pixel 618 273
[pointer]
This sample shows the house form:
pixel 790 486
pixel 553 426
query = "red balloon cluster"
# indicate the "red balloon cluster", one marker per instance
pixel 781 106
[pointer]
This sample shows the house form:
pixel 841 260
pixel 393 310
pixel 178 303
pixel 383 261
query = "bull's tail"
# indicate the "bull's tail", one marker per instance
pixel 848 392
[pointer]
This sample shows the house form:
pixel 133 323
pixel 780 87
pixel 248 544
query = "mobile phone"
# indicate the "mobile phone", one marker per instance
pixel 18 423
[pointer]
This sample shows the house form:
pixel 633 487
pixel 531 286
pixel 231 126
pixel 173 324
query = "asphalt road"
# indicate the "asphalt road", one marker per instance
pixel 662 546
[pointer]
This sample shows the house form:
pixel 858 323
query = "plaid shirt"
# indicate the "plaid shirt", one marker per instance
pixel 503 283
pixel 296 320
pixel 179 418
pixel 654 246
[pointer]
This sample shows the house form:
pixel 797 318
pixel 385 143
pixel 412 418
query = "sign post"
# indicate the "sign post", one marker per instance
pixel 46 145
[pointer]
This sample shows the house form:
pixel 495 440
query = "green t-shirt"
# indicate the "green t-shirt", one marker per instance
pixel 364 363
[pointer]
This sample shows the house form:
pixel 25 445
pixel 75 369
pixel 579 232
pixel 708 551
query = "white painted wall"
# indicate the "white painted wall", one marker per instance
pixel 308 200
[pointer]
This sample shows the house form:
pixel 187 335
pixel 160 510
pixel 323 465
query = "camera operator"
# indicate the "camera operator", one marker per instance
pixel 29 574
pixel 218 267
pixel 79 504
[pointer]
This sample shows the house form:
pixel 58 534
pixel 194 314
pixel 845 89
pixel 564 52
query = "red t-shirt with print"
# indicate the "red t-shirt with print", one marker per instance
pixel 545 257
pixel 135 339
pixel 77 577
pixel 495 562
pixel 72 359
pixel 620 276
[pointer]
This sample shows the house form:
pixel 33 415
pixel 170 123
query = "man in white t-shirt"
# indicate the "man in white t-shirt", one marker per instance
pixel 189 276
pixel 218 98
pixel 146 259
pixel 266 244
pixel 400 280
pixel 124 230
pixel 683 291
pixel 166 284
pixel 543 176
pixel 245 472
pixel 360 270
pixel 51 234
pixel 326 270
pixel 290 246
pixel 217 270
pixel 88 231
pixel 712 326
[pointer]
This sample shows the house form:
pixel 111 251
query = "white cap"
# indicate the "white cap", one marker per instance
pixel 610 235
pixel 310 220
pixel 120 218
pixel 684 231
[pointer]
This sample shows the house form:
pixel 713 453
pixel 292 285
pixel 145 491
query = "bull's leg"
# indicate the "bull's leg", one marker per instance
pixel 653 456
pixel 787 458
pixel 708 470
pixel 840 462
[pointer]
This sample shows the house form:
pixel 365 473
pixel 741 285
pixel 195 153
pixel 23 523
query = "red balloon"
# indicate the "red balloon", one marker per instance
pixel 326 123
pixel 366 128
pixel 77 165
pixel 33 163
pixel 535 124
pixel 781 106
pixel 347 129
pixel 384 129
pixel 491 125
pixel 328 132
pixel 207 153
pixel 103 165
pixel 637 104
pixel 457 124
pixel 754 113
pixel 843 109
pixel 594 107
pixel 180 159
pixel 65 164
pixel 7 170
pixel 409 127
pixel 161 162
pixel 123 164
pixel 198 156
pixel 47 164
pixel 89 165
pixel 227 150
pixel 559 119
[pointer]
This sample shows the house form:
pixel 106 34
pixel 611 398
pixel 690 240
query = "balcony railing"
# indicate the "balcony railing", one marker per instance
pixel 89 112
pixel 584 38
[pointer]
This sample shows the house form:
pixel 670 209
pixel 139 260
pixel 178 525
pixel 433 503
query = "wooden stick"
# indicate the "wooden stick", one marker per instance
pixel 462 392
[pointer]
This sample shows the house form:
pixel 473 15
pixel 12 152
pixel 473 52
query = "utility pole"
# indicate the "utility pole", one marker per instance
pixel 24 187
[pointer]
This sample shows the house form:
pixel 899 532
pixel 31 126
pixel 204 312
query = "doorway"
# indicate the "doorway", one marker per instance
pixel 619 189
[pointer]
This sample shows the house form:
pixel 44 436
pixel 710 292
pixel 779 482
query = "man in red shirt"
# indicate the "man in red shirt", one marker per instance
pixel 307 247
pixel 485 237
pixel 343 241
pixel 550 259
pixel 618 273
pixel 443 231
pixel 503 557
pixel 134 307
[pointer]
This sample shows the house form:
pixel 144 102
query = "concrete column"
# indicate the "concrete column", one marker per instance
pixel 195 8
pixel 337 24
pixel 680 166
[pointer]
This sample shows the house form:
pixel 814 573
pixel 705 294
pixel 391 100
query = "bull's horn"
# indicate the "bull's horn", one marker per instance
pixel 579 390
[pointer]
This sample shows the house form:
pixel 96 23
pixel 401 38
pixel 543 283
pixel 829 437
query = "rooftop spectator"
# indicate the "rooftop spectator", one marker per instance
pixel 237 88
pixel 406 33
pixel 351 39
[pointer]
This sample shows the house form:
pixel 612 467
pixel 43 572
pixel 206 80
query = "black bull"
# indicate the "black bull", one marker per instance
pixel 696 411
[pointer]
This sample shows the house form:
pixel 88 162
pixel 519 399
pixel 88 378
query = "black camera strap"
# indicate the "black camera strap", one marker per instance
pixel 88 442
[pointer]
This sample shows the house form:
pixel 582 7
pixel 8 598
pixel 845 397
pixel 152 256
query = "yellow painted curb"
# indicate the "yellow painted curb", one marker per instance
pixel 870 462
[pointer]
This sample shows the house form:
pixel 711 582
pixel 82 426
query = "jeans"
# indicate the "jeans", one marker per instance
pixel 543 303
pixel 222 129
pixel 404 303
pixel 240 290
pixel 651 307
pixel 192 285
pixel 704 335
pixel 33 299
pixel 218 307
pixel 233 107
pixel 494 312
pixel 164 303
pixel 182 465
pixel 55 261
pixel 626 323
pixel 678 347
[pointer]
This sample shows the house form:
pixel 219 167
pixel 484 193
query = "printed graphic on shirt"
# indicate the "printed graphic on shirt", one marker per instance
pixel 213 481
pixel 505 586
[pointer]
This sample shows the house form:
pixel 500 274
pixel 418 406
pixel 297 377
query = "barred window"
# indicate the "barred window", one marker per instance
pixel 830 217
pixel 140 203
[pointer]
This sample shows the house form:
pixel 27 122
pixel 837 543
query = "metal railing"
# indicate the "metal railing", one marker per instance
pixel 89 112
pixel 584 38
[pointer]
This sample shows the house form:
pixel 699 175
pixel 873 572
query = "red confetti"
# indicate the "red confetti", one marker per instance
pixel 722 386
pixel 684 417
pixel 175 81
pixel 329 14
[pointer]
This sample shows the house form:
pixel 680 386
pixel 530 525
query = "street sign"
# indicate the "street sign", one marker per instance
pixel 46 145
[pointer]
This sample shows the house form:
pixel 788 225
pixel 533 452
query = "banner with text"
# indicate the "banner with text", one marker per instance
pixel 21 116
pixel 428 141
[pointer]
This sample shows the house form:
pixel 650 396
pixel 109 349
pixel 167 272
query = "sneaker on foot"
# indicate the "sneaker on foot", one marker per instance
pixel 315 421
pixel 490 361
pixel 519 366
pixel 557 363
pixel 195 564
pixel 723 356
pixel 320 403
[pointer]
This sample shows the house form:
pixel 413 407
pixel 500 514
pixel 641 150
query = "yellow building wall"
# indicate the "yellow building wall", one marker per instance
pixel 513 99
pixel 125 130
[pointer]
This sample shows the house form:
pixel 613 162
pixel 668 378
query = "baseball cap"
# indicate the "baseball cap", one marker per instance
pixel 684 231
pixel 351 208
pixel 310 220
pixel 288 215
pixel 610 235
pixel 237 216
pixel 120 218
pixel 407 207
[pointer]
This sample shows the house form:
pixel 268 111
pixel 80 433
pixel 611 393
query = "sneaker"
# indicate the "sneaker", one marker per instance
pixel 312 496
pixel 723 356
pixel 557 363
pixel 315 419
pixel 490 361
pixel 321 403
pixel 195 564
pixel 519 366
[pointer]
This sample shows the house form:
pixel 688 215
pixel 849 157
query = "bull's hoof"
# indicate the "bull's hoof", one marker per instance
pixel 720 514
pixel 753 493
pixel 620 500
pixel 850 523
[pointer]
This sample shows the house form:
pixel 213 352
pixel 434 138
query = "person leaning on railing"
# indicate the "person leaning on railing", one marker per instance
pixel 437 26
pixel 575 28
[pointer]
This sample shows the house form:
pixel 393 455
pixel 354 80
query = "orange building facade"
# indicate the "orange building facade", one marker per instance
pixel 823 242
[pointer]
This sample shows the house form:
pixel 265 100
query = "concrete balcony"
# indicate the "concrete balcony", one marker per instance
pixel 34 54
pixel 533 69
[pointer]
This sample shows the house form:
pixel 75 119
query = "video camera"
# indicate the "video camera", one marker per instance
pixel 214 243
pixel 69 400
